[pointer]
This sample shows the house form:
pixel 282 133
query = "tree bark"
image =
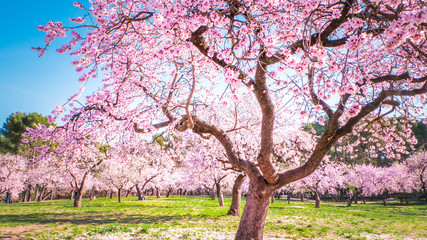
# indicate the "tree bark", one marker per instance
pixel 317 197
pixel 168 192
pixel 288 196
pixel 220 195
pixel 212 192
pixel 78 198
pixel 236 196
pixel 41 193
pixel 28 194
pixel 138 191
pixel 272 199
pixel 119 193
pixel 349 200
pixel 36 192
pixel 302 196
pixel 157 192
pixel 52 194
pixel 252 223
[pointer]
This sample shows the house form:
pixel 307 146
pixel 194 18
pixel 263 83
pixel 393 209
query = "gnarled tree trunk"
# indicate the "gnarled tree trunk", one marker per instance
pixel 78 198
pixel 236 196
pixel 253 219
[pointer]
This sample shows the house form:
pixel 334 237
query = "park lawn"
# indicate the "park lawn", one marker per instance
pixel 201 218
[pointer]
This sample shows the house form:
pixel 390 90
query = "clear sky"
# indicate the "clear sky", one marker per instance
pixel 29 83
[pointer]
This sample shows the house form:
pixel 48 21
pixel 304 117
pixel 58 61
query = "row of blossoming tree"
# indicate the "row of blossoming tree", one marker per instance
pixel 134 173
pixel 226 69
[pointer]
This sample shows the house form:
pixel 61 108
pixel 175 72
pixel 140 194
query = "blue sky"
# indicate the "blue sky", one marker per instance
pixel 29 83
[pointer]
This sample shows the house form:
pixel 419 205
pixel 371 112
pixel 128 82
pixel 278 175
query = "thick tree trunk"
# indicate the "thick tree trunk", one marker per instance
pixel 302 196
pixel 288 196
pixel 168 192
pixel 119 194
pixel 78 198
pixel 236 196
pixel 111 194
pixel 317 197
pixel 220 195
pixel 252 223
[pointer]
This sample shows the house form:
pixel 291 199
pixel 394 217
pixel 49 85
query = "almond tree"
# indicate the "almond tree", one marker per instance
pixel 184 64
pixel 116 175
pixel 326 179
pixel 207 163
pixel 417 165
pixel 12 175
pixel 78 154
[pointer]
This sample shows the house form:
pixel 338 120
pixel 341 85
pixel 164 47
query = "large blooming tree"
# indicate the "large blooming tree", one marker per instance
pixel 187 65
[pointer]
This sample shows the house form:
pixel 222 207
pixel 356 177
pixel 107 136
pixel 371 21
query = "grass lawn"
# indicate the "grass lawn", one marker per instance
pixel 201 218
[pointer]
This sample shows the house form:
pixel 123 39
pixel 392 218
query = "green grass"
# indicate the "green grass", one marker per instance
pixel 198 217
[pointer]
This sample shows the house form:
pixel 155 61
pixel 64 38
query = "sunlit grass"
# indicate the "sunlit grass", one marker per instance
pixel 197 217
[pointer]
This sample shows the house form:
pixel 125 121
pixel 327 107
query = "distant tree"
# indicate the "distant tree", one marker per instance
pixel 184 65
pixel 16 124
pixel 12 178
pixel 326 179
pixel 417 165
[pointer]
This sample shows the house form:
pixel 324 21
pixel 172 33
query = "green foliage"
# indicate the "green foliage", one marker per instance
pixel 16 124
pixel 420 131
pixel 164 141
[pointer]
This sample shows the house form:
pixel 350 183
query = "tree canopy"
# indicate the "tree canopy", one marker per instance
pixel 231 69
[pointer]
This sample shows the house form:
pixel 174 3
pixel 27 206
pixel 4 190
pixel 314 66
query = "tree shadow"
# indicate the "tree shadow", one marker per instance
pixel 96 218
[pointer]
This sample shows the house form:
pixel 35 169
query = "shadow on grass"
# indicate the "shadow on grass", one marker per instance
pixel 91 219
